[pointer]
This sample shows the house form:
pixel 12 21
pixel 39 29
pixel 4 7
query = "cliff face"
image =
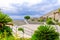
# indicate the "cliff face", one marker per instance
pixel 53 14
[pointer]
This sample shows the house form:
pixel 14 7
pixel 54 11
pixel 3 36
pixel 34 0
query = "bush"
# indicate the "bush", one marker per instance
pixel 8 38
pixel 32 20
pixel 41 20
pixel 50 21
pixel 45 33
pixel 58 23
pixel 25 39
pixel 7 29
pixel 56 20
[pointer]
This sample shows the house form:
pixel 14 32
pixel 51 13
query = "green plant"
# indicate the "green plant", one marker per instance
pixel 38 20
pixel 50 21
pixel 45 33
pixel 58 23
pixel 32 20
pixel 21 29
pixel 6 31
pixel 27 17
pixel 4 18
pixel 8 38
pixel 41 20
pixel 25 39
pixel 56 20
pixel 4 36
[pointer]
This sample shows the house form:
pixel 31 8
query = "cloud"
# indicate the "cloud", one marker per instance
pixel 19 8
pixel 7 3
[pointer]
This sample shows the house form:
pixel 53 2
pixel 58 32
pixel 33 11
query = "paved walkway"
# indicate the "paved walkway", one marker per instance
pixel 28 29
pixel 26 22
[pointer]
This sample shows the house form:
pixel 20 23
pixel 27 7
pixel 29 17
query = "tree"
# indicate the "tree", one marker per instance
pixel 4 18
pixel 54 15
pixel 45 32
pixel 27 17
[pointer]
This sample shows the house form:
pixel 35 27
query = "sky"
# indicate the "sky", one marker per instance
pixel 17 9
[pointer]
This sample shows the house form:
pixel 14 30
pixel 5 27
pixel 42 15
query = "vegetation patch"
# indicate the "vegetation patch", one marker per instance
pixel 45 33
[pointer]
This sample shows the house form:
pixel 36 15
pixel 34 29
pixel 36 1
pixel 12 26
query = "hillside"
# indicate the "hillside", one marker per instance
pixel 53 14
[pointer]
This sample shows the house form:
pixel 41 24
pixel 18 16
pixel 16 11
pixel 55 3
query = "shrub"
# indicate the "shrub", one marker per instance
pixel 45 33
pixel 7 29
pixel 32 19
pixel 25 39
pixel 21 29
pixel 41 20
pixel 58 23
pixel 56 20
pixel 50 21
pixel 8 38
